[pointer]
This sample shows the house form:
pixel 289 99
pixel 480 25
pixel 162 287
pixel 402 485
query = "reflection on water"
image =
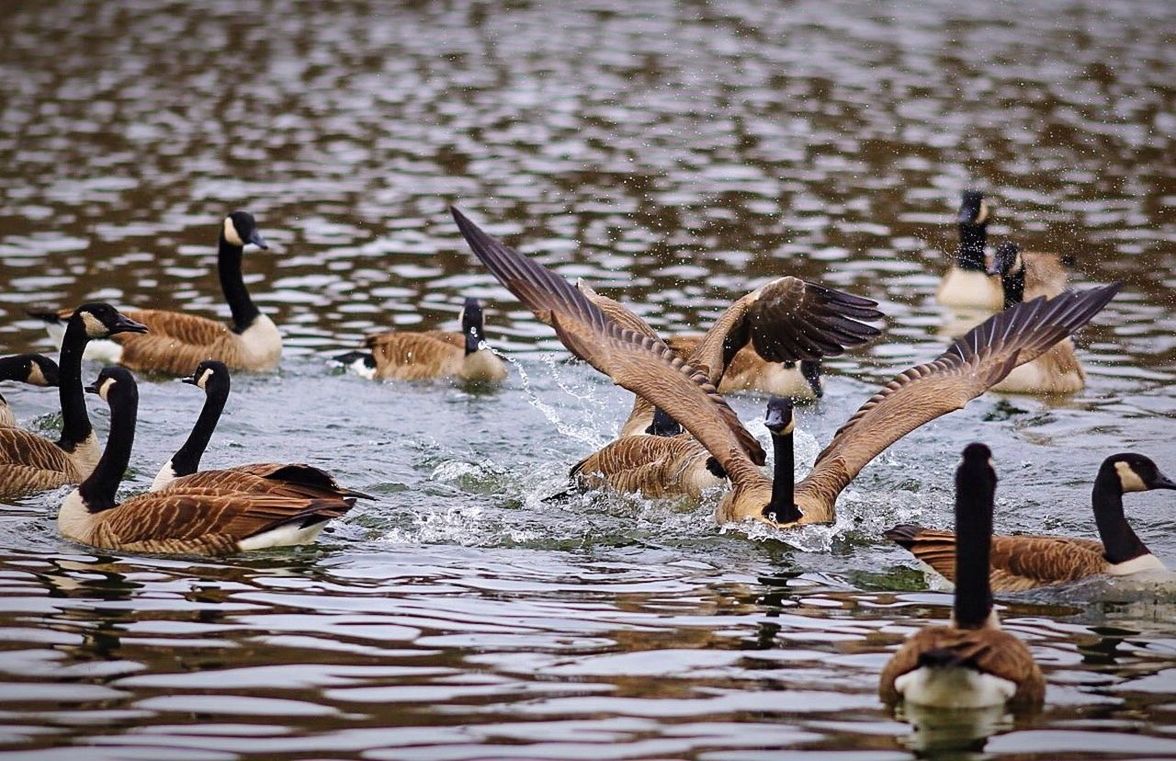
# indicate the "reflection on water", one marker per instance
pixel 675 155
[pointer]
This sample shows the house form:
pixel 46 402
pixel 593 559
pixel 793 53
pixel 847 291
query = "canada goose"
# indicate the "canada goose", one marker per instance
pixel 648 367
pixel 783 320
pixel 32 369
pixel 405 355
pixel 30 463
pixel 1057 371
pixel 178 341
pixel 967 284
pixel 198 521
pixel 749 371
pixel 1026 562
pixel 970 663
pixel 180 471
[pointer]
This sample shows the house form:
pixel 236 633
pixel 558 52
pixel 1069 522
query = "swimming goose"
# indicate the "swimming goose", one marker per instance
pixel 648 367
pixel 971 662
pixel 1027 562
pixel 1057 371
pixel 177 340
pixel 405 355
pixel 196 521
pixel 180 472
pixel 967 284
pixel 32 369
pixel 30 463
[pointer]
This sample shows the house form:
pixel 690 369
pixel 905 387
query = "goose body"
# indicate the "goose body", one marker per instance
pixel 198 520
pixel 971 663
pixel 182 470
pixel 411 356
pixel 30 463
pixel 649 368
pixel 1027 562
pixel 967 283
pixel 1058 370
pixel 749 371
pixel 32 369
pixel 177 341
pixel 651 465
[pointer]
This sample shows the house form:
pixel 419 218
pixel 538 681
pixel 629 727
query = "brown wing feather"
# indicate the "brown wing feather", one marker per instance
pixel 291 479
pixel 990 651
pixel 616 311
pixel 176 342
pixel 971 365
pixel 1018 562
pixel 30 463
pixel 402 355
pixel 191 514
pixel 642 364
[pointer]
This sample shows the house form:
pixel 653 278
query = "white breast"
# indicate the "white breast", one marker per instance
pixel 954 687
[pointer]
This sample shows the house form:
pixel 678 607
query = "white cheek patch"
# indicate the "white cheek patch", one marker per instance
pixel 983 215
pixel 790 427
pixel 36 377
pixel 202 381
pixel 105 386
pixel 94 326
pixel 1128 478
pixel 231 233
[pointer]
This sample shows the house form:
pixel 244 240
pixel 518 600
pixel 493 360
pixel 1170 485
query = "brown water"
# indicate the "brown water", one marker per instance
pixel 674 155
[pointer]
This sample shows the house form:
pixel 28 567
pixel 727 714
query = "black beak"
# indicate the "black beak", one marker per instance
pixel 190 381
pixel 256 239
pixel 1163 482
pixel 124 324
pixel 93 389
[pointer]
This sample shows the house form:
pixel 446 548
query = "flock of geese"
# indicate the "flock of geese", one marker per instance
pixel 680 438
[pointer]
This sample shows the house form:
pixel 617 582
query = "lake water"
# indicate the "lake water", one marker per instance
pixel 675 155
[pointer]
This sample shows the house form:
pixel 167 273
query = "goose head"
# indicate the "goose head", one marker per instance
pixel 102 321
pixel 973 209
pixel 210 376
pixel 778 419
pixel 40 370
pixel 472 325
pixel 240 228
pixel 1007 260
pixel 115 383
pixel 1134 472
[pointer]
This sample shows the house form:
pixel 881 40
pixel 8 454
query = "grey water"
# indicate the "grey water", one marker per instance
pixel 674 155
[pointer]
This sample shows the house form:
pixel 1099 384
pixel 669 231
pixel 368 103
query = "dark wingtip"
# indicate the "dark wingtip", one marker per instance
pixel 903 534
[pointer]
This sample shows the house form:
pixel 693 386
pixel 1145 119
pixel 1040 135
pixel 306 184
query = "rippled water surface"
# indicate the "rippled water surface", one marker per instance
pixel 675 155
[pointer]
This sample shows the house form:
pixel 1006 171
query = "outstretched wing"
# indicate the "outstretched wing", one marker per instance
pixel 642 364
pixel 970 366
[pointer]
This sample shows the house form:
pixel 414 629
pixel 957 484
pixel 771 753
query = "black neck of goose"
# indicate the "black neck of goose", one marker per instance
pixel 971 252
pixel 1120 542
pixel 782 508
pixel 1013 284
pixel 13 368
pixel 75 423
pixel 186 460
pixel 228 266
pixel 973 594
pixel 99 490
